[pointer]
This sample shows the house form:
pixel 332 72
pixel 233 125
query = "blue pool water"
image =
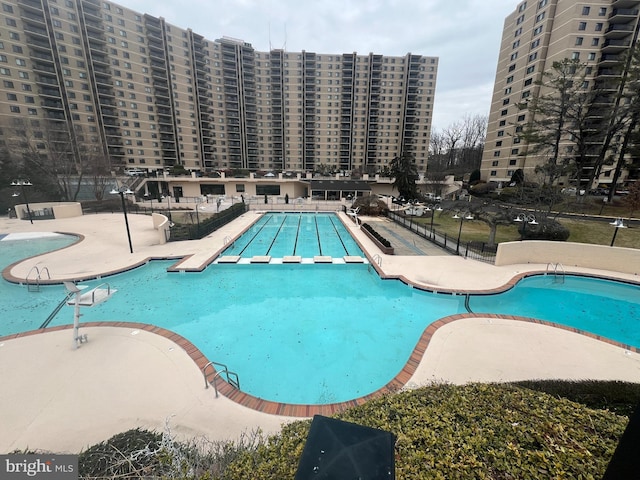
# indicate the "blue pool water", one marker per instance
pixel 303 234
pixel 314 333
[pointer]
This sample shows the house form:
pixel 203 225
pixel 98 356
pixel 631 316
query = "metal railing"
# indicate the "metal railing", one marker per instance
pixel 35 286
pixel 480 251
pixel 232 377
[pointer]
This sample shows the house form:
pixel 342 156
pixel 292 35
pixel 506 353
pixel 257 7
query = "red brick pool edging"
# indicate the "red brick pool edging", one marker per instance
pixel 299 410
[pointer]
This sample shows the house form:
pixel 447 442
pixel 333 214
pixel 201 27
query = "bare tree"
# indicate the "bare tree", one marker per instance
pixel 473 136
pixel 559 112
pixel 452 135
pixel 46 148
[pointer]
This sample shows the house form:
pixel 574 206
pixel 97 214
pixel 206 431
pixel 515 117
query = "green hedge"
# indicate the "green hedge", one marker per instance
pixel 477 431
pixel 474 431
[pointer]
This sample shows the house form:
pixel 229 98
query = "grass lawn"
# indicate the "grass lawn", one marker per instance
pixel 582 230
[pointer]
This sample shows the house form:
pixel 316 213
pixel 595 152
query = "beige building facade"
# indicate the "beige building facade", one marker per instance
pixel 538 33
pixel 143 93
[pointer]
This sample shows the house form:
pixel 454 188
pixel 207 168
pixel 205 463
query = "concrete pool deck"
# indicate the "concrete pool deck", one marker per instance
pixel 126 376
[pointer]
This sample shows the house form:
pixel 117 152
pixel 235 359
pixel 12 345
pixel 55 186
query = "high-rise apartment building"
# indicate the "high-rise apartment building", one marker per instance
pixel 148 94
pixel 538 33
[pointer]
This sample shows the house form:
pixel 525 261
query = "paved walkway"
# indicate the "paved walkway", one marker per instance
pixel 60 399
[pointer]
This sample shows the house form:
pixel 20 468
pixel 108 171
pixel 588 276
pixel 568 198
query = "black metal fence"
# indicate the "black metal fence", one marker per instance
pixel 476 250
pixel 204 227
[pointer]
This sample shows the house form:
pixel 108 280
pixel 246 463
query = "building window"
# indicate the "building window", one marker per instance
pixel 512 161
pixel 533 56
pixel 586 10
pixel 599 27
pixel 499 143
pixel 535 43
pixel 602 12
pixel 528 82
pixel 493 173
pixel 518 32
pixel 503 112
pixel 500 133
pixel 538 30
pixel 511 68
pixel 496 153
pixel 507 91
pixel 514 55
pixel 531 69
pixel 575 56
pixel 595 42
pixel 579 40
pixel 521 118
pixel 526 94
pixel 495 163
pixel 540 16
pixel 592 56
pixel 582 26
pixel 502 123
pixel 514 151
pixel 510 79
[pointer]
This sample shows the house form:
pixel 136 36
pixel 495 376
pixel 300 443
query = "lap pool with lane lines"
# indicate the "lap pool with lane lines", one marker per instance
pixel 296 234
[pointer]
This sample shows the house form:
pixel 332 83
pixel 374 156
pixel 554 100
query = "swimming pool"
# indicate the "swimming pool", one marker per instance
pixel 314 333
pixel 296 234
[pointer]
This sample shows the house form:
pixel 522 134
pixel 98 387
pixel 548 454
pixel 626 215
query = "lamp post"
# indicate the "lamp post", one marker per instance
pixel 525 220
pixel 150 197
pixel 122 192
pixel 168 197
pixel 433 209
pixel 618 223
pixel 466 216
pixel 22 184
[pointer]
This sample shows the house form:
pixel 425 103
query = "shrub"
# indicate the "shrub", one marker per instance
pixel 471 431
pixel 545 230
pixel 370 205
pixel 376 235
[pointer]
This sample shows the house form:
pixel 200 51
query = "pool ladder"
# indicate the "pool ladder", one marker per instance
pixel 232 377
pixel 34 285
pixel 557 270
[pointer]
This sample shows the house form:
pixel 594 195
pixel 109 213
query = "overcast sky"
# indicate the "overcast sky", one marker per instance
pixel 465 35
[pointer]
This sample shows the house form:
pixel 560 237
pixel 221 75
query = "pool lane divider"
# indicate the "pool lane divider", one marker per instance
pixel 275 237
pixel 295 245
pixel 315 219
pixel 256 234
pixel 339 236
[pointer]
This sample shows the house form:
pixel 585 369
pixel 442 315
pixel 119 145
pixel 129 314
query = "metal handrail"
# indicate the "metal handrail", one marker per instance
pixel 555 267
pixel 232 377
pixel 378 259
pixel 38 277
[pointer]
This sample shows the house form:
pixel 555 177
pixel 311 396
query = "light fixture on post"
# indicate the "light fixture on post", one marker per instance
pixel 433 209
pixel 122 192
pixel 618 223
pixel 22 184
pixel 525 219
pixel 466 216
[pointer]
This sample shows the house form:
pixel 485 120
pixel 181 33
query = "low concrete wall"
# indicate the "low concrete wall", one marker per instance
pixel 60 209
pixel 624 260
pixel 161 224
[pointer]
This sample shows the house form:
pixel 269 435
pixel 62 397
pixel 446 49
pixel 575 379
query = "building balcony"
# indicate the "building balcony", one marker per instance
pixel 623 15
pixel 618 30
